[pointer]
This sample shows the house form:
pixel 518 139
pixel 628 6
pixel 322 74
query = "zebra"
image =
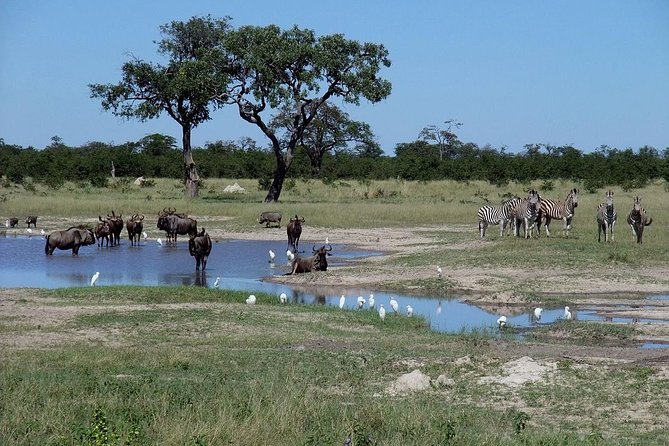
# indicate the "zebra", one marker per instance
pixel 558 210
pixel 500 215
pixel 606 218
pixel 526 212
pixel 638 219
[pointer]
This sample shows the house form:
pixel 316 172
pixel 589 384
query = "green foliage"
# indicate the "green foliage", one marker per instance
pixel 100 433
pixel 520 420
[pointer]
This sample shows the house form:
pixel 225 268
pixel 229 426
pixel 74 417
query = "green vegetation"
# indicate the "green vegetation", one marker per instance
pixel 177 366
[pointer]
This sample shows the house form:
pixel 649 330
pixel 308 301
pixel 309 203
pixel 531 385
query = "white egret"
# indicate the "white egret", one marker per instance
pixel 394 305
pixel 327 240
pixel 251 300
pixel 537 313
pixel 370 302
pixel 160 242
pixel 409 311
pixel 382 313
pixel 145 235
pixel 30 231
pixel 6 223
pixel 361 302
pixel 271 256
pixel 439 271
pixel 43 232
pixel 342 301
pixel 95 278
pixel 501 321
pixel 218 280
pixel 290 256
pixel 283 298
pixel 439 308
pixel 567 313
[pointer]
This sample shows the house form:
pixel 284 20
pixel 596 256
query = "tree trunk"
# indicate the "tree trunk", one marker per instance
pixel 191 177
pixel 283 163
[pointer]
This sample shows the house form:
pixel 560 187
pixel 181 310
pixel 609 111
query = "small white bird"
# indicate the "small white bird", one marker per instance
pixel 6 223
pixel 394 305
pixel 361 302
pixel 501 321
pixel 567 313
pixel 290 256
pixel 537 313
pixel 409 311
pixel 271 256
pixel 382 313
pixel 251 300
pixel 218 280
pixel 439 308
pixel 342 301
pixel 370 302
pixel 145 235
pixel 283 298
pixel 439 271
pixel 327 240
pixel 43 232
pixel 160 242
pixel 95 278
pixel 30 231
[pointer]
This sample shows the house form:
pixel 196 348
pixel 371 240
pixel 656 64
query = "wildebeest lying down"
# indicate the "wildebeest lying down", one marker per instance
pixel 270 217
pixel 71 238
pixel 200 248
pixel 316 262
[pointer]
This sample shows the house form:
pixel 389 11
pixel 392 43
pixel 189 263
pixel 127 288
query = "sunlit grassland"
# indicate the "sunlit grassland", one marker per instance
pixel 192 366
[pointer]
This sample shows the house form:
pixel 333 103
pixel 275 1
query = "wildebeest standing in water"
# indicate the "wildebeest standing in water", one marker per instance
pixel 13 222
pixel 316 262
pixel 200 248
pixel 31 220
pixel 135 226
pixel 294 231
pixel 176 224
pixel 72 238
pixel 116 227
pixel 102 231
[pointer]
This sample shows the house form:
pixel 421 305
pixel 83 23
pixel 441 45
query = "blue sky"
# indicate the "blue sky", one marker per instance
pixel 576 72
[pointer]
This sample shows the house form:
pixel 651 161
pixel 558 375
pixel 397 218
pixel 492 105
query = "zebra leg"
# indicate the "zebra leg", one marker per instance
pixel 502 226
pixel 613 237
pixel 546 224
pixel 634 237
pixel 482 227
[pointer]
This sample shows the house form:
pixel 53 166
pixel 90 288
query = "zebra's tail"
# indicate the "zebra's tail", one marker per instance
pixel 647 223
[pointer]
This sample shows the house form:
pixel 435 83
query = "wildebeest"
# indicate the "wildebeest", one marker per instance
pixel 268 217
pixel 72 238
pixel 316 262
pixel 102 231
pixel 294 231
pixel 13 222
pixel 176 224
pixel 31 220
pixel 135 226
pixel 116 227
pixel 200 248
pixel 638 219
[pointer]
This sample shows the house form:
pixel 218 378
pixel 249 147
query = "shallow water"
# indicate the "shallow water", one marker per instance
pixel 241 265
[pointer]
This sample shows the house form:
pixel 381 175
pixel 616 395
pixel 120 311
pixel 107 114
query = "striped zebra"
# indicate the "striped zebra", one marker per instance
pixel 638 219
pixel 525 213
pixel 606 218
pixel 558 210
pixel 496 215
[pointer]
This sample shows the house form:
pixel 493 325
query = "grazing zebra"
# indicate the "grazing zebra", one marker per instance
pixel 494 215
pixel 559 210
pixel 638 219
pixel 526 213
pixel 606 218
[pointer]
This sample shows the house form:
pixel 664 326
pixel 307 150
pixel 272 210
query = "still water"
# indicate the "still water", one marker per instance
pixel 240 265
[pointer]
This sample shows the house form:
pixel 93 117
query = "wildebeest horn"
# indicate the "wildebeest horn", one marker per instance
pixel 142 217
pixel 302 219
pixel 330 247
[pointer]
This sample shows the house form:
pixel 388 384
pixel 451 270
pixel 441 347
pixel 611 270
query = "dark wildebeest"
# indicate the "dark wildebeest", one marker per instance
pixel 72 238
pixel 31 220
pixel 200 248
pixel 176 224
pixel 316 262
pixel 270 217
pixel 294 231
pixel 638 219
pixel 116 227
pixel 102 231
pixel 135 226
pixel 13 222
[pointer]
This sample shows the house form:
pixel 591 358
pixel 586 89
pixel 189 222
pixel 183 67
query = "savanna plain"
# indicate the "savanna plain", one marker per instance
pixel 194 366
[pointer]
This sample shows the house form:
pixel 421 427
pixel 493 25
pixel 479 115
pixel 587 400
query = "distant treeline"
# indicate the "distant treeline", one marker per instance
pixel 158 156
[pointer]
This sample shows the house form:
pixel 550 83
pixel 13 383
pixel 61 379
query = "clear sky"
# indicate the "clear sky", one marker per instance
pixel 514 72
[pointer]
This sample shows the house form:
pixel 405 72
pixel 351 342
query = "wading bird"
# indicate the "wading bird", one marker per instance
pixel 370 302
pixel 439 271
pixel 537 313
pixel 271 256
pixel 394 305
pixel 251 300
pixel 160 242
pixel 361 302
pixel 283 298
pixel 501 321
pixel 342 301
pixel 218 280
pixel 145 235
pixel 567 313
pixel 95 278
pixel 382 313
pixel 409 311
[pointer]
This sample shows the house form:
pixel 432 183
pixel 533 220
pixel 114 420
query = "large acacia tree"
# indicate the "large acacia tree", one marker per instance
pixel 275 70
pixel 184 88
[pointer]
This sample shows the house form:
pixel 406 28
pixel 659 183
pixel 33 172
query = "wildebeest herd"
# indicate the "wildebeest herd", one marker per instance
pixel 531 212
pixel 107 232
